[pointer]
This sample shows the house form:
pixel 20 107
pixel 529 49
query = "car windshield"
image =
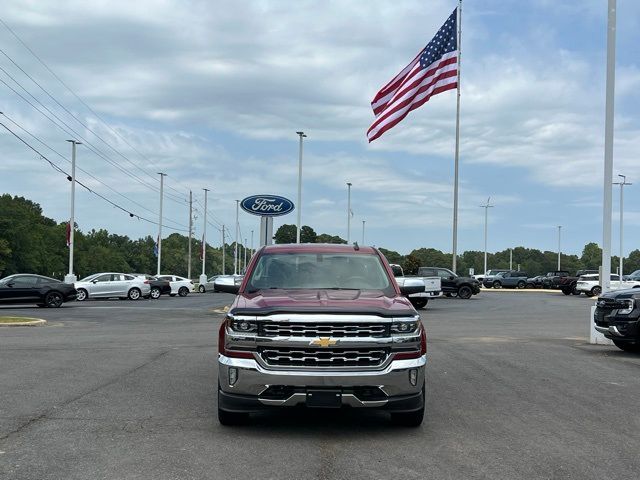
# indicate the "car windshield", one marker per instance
pixel 319 271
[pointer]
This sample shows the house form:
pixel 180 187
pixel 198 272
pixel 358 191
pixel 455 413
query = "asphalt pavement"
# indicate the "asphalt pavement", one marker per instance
pixel 127 390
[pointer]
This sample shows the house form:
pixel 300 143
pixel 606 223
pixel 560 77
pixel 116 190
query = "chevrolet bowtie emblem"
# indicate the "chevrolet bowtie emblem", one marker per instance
pixel 323 342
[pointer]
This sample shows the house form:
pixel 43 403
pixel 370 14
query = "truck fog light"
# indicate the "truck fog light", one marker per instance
pixel 233 376
pixel 413 377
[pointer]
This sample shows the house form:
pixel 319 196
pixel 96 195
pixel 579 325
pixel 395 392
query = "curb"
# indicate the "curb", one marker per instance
pixel 28 322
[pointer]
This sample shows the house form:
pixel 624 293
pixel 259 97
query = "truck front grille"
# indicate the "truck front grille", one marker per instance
pixel 340 330
pixel 326 357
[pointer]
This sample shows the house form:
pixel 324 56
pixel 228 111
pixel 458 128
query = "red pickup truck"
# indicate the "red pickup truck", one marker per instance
pixel 321 326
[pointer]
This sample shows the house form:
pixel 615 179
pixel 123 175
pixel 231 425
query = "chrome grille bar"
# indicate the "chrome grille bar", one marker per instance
pixel 340 330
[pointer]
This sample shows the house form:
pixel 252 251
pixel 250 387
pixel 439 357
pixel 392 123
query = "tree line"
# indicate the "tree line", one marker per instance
pixel 33 243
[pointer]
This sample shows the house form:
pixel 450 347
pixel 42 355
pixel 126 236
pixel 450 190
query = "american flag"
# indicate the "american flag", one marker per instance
pixel 434 70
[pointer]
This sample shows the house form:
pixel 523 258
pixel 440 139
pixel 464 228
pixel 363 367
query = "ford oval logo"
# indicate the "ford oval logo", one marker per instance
pixel 267 205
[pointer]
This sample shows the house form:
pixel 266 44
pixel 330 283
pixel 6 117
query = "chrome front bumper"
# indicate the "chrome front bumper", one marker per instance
pixel 253 380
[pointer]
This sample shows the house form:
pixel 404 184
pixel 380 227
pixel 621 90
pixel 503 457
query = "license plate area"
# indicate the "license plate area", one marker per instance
pixel 324 398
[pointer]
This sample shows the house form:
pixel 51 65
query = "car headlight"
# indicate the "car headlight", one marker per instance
pixel 243 326
pixel 404 327
pixel 628 306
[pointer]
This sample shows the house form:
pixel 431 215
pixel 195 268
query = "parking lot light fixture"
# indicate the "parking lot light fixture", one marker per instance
pixel 559 250
pixel 622 183
pixel 70 277
pixel 348 212
pixel 486 207
pixel 299 215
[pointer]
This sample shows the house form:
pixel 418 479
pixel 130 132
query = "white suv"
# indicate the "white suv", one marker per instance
pixel 179 285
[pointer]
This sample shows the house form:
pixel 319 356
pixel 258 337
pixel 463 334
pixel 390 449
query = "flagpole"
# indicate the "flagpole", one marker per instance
pixel 457 154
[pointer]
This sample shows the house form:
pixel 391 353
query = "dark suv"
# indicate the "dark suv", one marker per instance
pixel 452 284
pixel 618 318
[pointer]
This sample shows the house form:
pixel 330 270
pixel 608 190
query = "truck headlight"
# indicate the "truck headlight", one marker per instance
pixel 244 326
pixel 628 306
pixel 401 328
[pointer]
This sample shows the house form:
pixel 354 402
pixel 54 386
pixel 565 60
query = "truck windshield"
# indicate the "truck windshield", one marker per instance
pixel 319 271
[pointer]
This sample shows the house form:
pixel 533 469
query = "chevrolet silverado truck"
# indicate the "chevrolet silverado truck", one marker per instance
pixel 321 326
pixel 617 316
pixel 430 286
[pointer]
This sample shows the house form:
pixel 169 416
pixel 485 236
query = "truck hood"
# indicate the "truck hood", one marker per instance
pixel 373 302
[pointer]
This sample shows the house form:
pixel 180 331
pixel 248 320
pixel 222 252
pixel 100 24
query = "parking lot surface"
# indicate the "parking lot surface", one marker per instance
pixel 127 390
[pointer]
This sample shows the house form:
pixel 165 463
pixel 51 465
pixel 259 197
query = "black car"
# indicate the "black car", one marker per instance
pixel 618 318
pixel 158 287
pixel 452 284
pixel 43 291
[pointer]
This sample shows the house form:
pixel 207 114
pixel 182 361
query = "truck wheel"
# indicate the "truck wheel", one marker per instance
pixel 419 303
pixel 567 291
pixel 465 292
pixel 627 346
pixel 410 419
pixel 229 419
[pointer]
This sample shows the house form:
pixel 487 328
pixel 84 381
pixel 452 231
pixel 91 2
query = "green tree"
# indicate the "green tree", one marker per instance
pixel 326 238
pixel 307 235
pixel 392 257
pixel 591 256
pixel 286 234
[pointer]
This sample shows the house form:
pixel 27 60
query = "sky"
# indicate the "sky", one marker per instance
pixel 213 92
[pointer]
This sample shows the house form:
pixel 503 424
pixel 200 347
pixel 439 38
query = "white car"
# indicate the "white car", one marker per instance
pixel 179 285
pixel 109 285
pixel 489 275
pixel 590 284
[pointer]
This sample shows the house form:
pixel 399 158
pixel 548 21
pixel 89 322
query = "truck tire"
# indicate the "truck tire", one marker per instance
pixel 419 303
pixel 567 291
pixel 627 346
pixel 229 419
pixel 465 292
pixel 410 419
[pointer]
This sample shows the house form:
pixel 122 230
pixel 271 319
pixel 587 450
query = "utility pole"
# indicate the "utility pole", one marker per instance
pixel 622 183
pixel 190 233
pixel 511 259
pixel 235 256
pixel 71 278
pixel 299 225
pixel 224 254
pixel 559 251
pixel 486 207
pixel 203 275
pixel 348 213
pixel 162 175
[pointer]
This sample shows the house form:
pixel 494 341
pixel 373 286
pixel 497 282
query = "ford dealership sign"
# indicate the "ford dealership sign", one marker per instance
pixel 267 205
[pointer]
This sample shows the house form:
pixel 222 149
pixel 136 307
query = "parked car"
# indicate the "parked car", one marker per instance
pixel 489 274
pixel 179 285
pixel 633 276
pixel 321 326
pixel 535 282
pixel 452 284
pixel 553 279
pixel 508 280
pixel 568 284
pixel 222 282
pixel 208 285
pixel 617 316
pixel 111 285
pixel 158 287
pixel 590 284
pixel 28 288
pixel 428 287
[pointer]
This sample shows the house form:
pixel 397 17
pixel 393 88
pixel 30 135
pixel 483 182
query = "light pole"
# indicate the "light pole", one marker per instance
pixel 348 213
pixel 245 254
pixel 190 233
pixel 559 237
pixel 302 135
pixel 622 183
pixel 235 255
pixel 70 278
pixel 511 259
pixel 251 251
pixel 224 252
pixel 203 275
pixel 363 222
pixel 486 207
pixel 162 175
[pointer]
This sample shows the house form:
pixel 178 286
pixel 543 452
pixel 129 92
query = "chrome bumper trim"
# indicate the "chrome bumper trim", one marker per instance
pixel 300 398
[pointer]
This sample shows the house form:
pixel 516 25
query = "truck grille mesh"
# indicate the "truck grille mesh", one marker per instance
pixel 325 357
pixel 338 330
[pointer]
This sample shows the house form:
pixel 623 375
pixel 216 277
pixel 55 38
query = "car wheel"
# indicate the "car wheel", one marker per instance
pixel 201 289
pixel 155 293
pixel 410 419
pixel 229 419
pixel 588 294
pixel 566 291
pixel 595 291
pixel 530 285
pixel 172 294
pixel 465 292
pixel 134 294
pixel 521 284
pixel 497 284
pixel 419 303
pixel 81 295
pixel 183 291
pixel 53 300
pixel 627 346
pixel 576 292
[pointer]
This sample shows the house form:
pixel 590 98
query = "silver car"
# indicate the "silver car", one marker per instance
pixel 223 282
pixel 109 285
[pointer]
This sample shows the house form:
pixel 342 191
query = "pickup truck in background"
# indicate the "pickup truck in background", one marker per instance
pixel 431 286
pixel 568 284
pixel 452 284
pixel 320 326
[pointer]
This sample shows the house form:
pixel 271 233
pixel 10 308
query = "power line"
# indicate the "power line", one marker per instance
pixel 43 63
pixel 59 169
